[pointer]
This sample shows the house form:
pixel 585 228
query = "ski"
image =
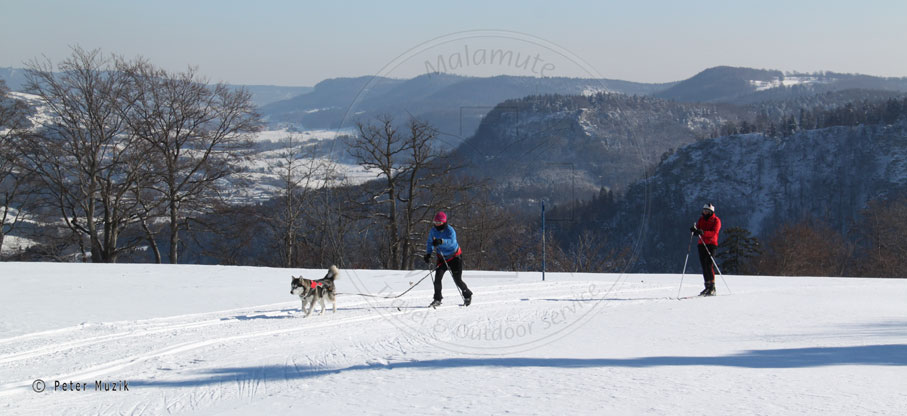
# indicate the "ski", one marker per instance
pixel 462 305
pixel 696 296
pixel 466 302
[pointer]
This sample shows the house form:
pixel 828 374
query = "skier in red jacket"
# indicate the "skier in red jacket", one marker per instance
pixel 707 228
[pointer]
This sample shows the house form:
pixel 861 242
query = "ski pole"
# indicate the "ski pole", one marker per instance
pixel 689 245
pixel 715 264
pixel 438 252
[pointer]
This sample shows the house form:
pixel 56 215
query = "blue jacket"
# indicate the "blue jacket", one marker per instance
pixel 449 246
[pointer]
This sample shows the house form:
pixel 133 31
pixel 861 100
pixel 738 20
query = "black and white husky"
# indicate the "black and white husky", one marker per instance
pixel 315 290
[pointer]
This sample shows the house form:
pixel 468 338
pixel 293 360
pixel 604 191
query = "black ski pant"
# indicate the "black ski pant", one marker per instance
pixel 456 270
pixel 708 271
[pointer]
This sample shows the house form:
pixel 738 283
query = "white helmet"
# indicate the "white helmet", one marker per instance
pixel 709 207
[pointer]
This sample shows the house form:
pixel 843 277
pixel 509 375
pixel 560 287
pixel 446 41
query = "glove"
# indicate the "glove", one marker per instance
pixel 693 229
pixel 427 257
pixel 697 231
pixel 436 242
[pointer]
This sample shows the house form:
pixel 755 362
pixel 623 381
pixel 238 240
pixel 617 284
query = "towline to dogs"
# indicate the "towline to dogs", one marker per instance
pixel 413 286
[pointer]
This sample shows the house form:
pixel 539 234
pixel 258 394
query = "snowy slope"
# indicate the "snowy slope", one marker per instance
pixel 229 340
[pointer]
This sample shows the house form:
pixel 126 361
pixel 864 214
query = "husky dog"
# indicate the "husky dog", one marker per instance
pixel 315 290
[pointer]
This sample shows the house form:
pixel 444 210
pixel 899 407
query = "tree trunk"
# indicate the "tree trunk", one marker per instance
pixel 393 237
pixel 110 233
pixel 3 224
pixel 174 231
pixel 97 255
pixel 406 262
pixel 155 250
pixel 289 249
pixel 290 218
pixel 112 254
pixel 337 241
pixel 81 246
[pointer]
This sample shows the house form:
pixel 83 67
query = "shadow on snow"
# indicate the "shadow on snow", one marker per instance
pixel 880 355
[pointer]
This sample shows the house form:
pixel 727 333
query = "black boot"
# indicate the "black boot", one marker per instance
pixel 709 289
pixel 435 303
pixel 467 298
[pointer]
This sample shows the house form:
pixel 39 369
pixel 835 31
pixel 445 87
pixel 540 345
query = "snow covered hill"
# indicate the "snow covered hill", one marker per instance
pixel 758 183
pixel 230 340
pixel 565 148
pixel 747 85
pixel 451 103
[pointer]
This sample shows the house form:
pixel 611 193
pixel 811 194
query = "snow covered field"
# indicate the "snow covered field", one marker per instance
pixel 230 340
pixel 317 151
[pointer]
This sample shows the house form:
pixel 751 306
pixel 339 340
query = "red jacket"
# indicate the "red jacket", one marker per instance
pixel 709 227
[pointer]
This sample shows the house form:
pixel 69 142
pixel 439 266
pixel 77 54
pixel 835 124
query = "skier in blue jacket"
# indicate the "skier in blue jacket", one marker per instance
pixel 442 241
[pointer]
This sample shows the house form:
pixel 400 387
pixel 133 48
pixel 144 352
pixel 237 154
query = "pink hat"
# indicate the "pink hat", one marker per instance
pixel 441 217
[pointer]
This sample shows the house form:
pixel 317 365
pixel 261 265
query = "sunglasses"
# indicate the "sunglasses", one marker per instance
pixel 438 222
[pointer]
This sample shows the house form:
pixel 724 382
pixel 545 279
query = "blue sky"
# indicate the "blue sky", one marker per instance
pixel 301 43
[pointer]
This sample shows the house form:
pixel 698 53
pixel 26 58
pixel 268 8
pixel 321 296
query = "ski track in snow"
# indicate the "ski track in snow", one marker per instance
pixel 54 345
pixel 96 343
pixel 373 356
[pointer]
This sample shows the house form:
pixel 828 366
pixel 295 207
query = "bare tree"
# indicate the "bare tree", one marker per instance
pixel 335 218
pixel 198 134
pixel 883 227
pixel 590 254
pixel 428 184
pixel 806 248
pixel 482 228
pixel 381 147
pixel 150 210
pixel 298 169
pixel 84 155
pixel 15 193
pixel 228 233
pixel 412 180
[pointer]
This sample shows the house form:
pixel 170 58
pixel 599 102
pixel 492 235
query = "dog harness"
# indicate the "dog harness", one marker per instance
pixel 316 284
